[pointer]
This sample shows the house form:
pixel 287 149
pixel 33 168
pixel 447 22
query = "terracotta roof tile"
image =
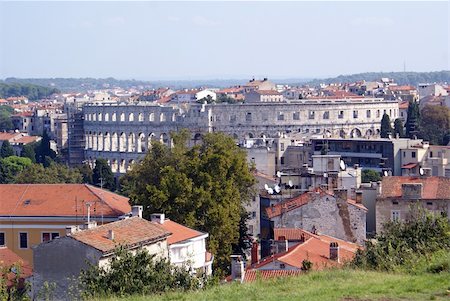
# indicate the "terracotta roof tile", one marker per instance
pixel 128 232
pixel 179 232
pixel 60 200
pixel 434 188
pixel 409 165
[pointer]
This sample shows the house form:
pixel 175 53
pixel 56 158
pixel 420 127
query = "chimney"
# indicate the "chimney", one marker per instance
pixel 110 234
pixel 89 225
pixel 334 251
pixel 157 218
pixel 359 196
pixel 255 252
pixel 136 211
pixel 237 268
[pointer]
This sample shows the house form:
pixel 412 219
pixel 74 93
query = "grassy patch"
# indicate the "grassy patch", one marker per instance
pixel 348 285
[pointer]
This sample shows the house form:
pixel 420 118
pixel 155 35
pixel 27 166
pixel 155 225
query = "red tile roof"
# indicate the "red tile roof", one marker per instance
pixel 179 232
pixel 401 88
pixel 409 165
pixel 301 200
pixel 434 188
pixel 130 232
pixel 291 234
pixel 252 275
pixel 60 200
pixel 403 105
pixel 9 258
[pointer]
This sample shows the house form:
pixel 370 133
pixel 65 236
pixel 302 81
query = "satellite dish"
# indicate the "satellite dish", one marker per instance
pixel 421 171
pixel 385 173
pixel 278 174
pixel 277 188
pixel 290 183
pixel 270 190
pixel 266 187
pixel 342 165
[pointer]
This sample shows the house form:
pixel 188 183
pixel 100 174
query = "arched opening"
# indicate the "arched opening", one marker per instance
pixel 141 117
pixel 99 116
pixel 355 133
pixel 131 117
pixel 122 116
pixel 151 117
pixel 130 164
pixel 122 167
pixel 164 138
pixel 114 166
pixel 107 143
pixel 162 117
pixel 131 143
pixel 114 142
pixel 149 140
pixel 197 138
pixel 106 116
pixel 123 142
pixel 141 143
pixel 94 141
pixel 100 141
pixel 114 117
pixel 342 134
pixel 369 133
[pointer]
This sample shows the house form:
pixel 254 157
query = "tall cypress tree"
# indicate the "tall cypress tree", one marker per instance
pixel 386 127
pixel 6 150
pixel 413 119
pixel 398 128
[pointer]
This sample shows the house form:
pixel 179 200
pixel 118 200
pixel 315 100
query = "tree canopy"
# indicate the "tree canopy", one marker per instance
pixel 6 149
pixel 434 124
pixel 102 175
pixel 11 166
pixel 398 128
pixel 54 173
pixel 386 127
pixel 203 187
pixel 43 150
pixel 30 91
pixel 5 118
pixel 413 119
pixel 370 175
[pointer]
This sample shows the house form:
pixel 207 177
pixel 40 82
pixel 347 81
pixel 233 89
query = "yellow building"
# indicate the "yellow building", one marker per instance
pixel 35 213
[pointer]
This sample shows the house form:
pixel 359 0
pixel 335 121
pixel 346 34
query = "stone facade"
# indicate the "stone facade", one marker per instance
pixel 122 132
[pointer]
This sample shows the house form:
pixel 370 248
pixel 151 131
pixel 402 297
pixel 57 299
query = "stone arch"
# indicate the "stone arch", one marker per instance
pixel 369 133
pixel 141 117
pixel 327 133
pixel 131 117
pixel 114 165
pixel 174 117
pixel 94 141
pixel 106 116
pixel 100 141
pixel 122 166
pixel 131 142
pixel 94 117
pixel 141 143
pixel 114 116
pixel 162 117
pixel 378 132
pixel 107 143
pixel 355 133
pixel 164 138
pixel 149 140
pixel 197 138
pixel 86 140
pixel 151 117
pixel 342 134
pixel 122 116
pixel 114 142
pixel 250 136
pixel 99 116
pixel 123 142
pixel 130 164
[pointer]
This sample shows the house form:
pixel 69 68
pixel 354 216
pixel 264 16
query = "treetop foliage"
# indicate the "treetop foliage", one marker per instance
pixel 434 124
pixel 30 91
pixel 203 187
pixel 55 173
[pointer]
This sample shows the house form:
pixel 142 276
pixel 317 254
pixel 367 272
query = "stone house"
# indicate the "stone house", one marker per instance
pixel 323 212
pixel 60 260
pixel 397 195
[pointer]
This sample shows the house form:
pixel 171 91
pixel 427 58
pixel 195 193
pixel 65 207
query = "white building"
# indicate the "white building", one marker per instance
pixel 205 93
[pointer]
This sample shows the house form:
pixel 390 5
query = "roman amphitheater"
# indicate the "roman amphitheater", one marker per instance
pixel 122 132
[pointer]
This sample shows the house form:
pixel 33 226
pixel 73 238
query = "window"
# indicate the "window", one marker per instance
pixel 368 114
pixel 311 115
pixel 296 116
pixel 248 116
pixel 355 114
pixel 23 240
pixel 413 154
pixel 341 114
pixel 326 115
pixel 282 146
pixel 395 215
pixel 47 236
pixel 282 160
pixel 254 214
pixel 2 239
pixel 378 113
pixel 404 154
pixel 431 154
pixel 233 118
pixel 280 116
pixel 282 266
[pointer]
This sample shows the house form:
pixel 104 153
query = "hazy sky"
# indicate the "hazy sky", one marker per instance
pixel 200 40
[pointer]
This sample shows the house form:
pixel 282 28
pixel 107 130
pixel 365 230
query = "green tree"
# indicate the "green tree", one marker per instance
pixel 435 124
pixel 5 118
pixel 11 166
pixel 86 172
pixel 370 175
pixel 398 128
pixel 28 152
pixel 102 174
pixel 135 274
pixel 43 150
pixel 54 173
pixel 413 119
pixel 6 149
pixel 203 187
pixel 386 127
